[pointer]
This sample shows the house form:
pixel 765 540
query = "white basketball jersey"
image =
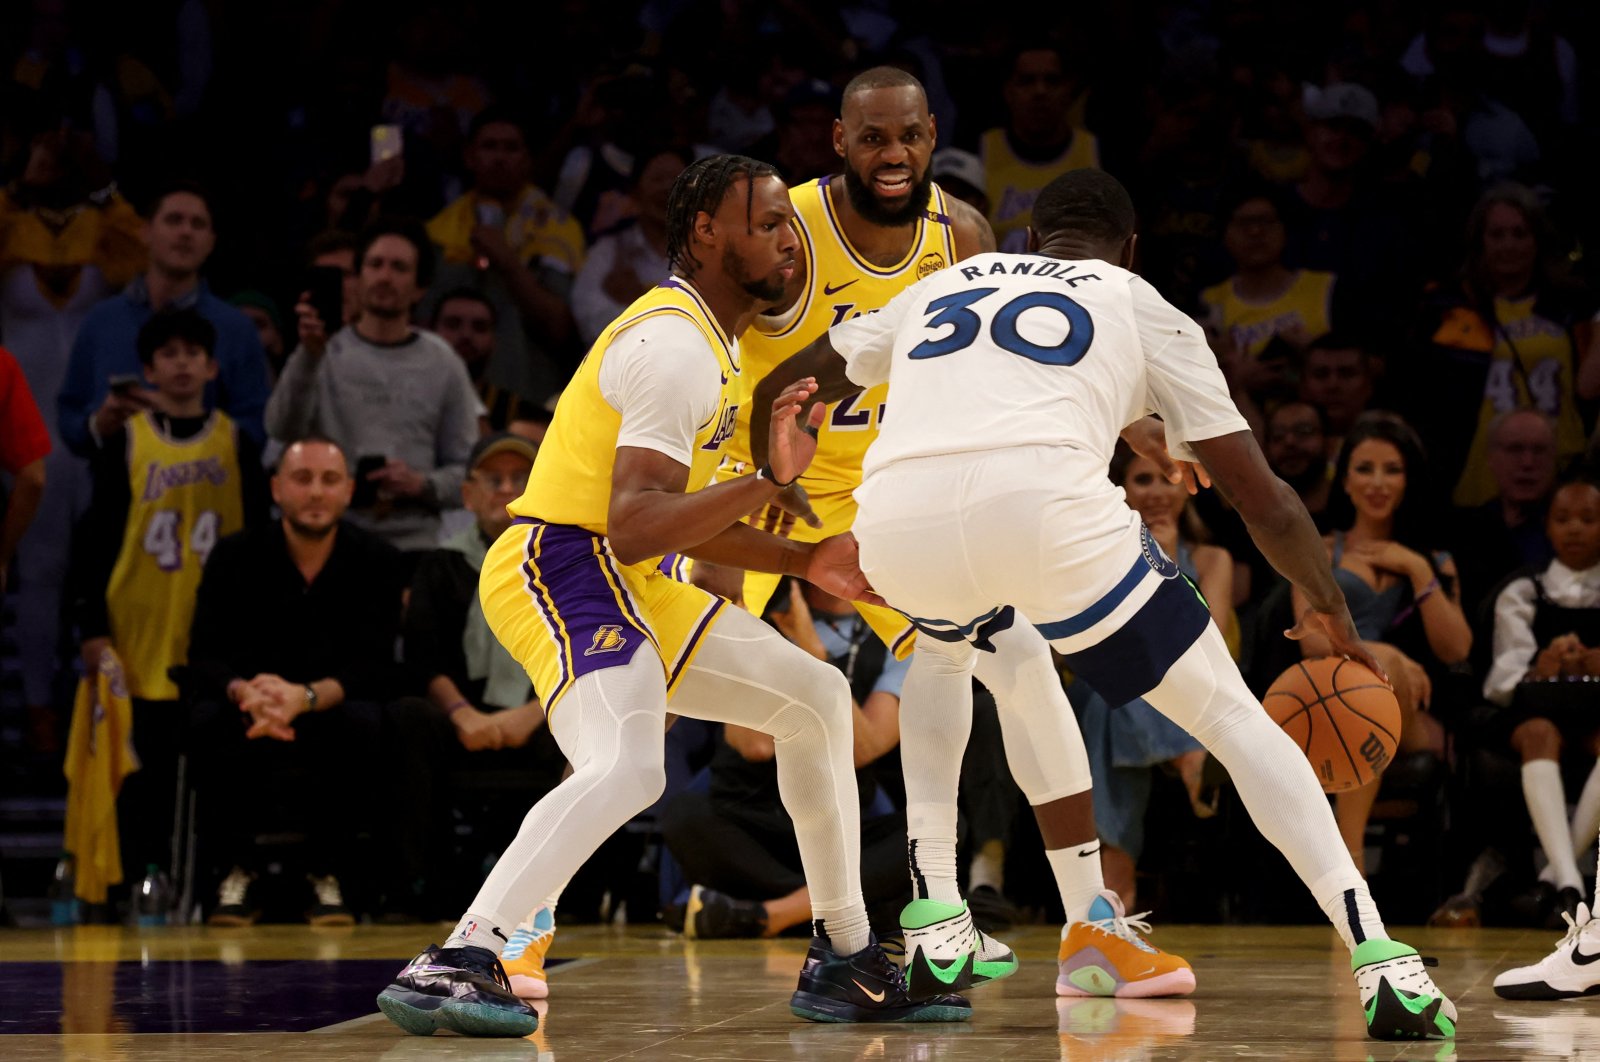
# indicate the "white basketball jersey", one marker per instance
pixel 1008 350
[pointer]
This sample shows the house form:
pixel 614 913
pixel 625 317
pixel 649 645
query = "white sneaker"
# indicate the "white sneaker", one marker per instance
pixel 945 952
pixel 1572 969
pixel 1400 1000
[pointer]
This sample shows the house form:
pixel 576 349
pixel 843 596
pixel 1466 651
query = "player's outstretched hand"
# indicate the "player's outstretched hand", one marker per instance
pixel 790 443
pixel 835 566
pixel 1147 437
pixel 1340 630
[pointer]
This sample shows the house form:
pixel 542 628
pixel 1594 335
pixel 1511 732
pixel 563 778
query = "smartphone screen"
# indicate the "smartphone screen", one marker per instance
pixel 388 142
pixel 366 492
pixel 326 285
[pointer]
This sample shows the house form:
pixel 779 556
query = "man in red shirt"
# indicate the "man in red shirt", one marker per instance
pixel 24 442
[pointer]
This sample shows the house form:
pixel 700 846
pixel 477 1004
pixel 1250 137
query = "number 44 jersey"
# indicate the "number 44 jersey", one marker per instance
pixel 1015 350
pixel 186 495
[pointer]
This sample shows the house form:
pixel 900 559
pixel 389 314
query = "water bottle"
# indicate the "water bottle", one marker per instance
pixel 64 910
pixel 152 898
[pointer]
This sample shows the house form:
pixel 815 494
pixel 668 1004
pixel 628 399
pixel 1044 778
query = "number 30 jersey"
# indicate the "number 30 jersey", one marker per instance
pixel 840 285
pixel 1008 350
pixel 186 495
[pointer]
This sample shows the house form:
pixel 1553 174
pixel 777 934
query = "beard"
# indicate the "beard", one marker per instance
pixel 768 289
pixel 307 531
pixel 867 205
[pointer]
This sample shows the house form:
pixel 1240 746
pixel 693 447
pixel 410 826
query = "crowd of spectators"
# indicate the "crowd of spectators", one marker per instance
pixel 344 256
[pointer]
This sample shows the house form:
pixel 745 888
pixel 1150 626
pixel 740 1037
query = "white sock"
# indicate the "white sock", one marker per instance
pixel 931 851
pixel 848 931
pixel 1078 877
pixel 478 931
pixel 1354 915
pixel 1547 806
pixel 1586 816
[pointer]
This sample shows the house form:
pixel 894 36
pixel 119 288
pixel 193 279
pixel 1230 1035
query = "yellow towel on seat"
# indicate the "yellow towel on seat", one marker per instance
pixel 99 756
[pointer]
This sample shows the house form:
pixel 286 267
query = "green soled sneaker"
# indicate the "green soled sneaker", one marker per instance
pixel 1400 999
pixel 945 952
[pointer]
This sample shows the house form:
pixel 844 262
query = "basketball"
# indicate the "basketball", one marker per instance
pixel 1342 716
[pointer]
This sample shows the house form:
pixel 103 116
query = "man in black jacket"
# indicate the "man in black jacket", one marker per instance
pixel 291 659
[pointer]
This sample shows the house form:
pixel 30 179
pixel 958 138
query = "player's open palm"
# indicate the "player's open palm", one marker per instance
pixel 791 443
pixel 836 567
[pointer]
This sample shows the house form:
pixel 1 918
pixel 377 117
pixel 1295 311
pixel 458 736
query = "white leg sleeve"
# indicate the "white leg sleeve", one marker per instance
pixel 1044 746
pixel 747 674
pixel 610 725
pixel 1205 694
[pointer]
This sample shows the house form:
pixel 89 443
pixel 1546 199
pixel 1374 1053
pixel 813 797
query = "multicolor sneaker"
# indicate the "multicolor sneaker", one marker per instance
pixel 523 957
pixel 461 989
pixel 1107 955
pixel 1400 1000
pixel 864 987
pixel 945 952
pixel 1096 1029
pixel 1567 972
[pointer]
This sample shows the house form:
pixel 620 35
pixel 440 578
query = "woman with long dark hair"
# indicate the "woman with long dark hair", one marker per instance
pixel 1402 592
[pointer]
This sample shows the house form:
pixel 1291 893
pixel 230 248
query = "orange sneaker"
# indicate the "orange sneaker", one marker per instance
pixel 523 957
pixel 1108 956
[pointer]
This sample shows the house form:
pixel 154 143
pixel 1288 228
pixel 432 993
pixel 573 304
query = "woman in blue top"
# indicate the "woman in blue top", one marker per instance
pixel 1383 557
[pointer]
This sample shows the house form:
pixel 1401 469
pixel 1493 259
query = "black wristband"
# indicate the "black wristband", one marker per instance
pixel 765 472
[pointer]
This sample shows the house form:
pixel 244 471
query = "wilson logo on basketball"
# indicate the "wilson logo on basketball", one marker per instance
pixel 929 264
pixel 608 639
pixel 1374 753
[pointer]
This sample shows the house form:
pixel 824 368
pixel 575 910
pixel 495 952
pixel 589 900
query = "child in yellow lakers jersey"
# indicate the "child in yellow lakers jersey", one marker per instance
pixel 167 486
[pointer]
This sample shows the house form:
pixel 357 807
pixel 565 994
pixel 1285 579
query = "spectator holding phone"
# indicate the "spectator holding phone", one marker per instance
pixel 510 240
pixel 395 398
pixel 180 234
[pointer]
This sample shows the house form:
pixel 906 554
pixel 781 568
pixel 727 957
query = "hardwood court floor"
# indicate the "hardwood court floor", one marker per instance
pixel 286 992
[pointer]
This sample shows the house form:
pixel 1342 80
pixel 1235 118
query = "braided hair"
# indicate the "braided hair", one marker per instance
pixel 703 186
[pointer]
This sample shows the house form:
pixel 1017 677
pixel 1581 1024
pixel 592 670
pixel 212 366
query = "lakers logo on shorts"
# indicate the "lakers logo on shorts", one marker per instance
pixel 929 264
pixel 607 639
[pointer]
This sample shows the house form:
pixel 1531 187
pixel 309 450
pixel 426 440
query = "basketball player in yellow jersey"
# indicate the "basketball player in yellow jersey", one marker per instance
pixel 167 486
pixel 865 236
pixel 573 590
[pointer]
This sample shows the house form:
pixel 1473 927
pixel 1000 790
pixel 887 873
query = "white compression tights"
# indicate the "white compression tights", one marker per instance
pixel 1204 693
pixel 1044 747
pixel 610 724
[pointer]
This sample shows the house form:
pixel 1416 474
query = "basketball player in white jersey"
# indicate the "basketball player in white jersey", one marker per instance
pixel 985 503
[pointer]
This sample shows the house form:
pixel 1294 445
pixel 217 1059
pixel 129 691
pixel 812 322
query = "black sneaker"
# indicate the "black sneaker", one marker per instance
pixel 328 908
pixel 461 989
pixel 711 915
pixel 991 912
pixel 866 986
pixel 233 901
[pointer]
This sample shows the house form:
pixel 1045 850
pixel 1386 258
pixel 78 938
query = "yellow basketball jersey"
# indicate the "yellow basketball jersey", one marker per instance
pixel 1532 367
pixel 1305 307
pixel 840 284
pixel 571 479
pixel 1014 183
pixel 186 495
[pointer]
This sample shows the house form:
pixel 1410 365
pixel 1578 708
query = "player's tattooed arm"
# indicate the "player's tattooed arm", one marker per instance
pixel 971 229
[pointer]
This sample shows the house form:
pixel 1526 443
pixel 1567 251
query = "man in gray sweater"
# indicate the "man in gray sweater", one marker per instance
pixel 397 399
